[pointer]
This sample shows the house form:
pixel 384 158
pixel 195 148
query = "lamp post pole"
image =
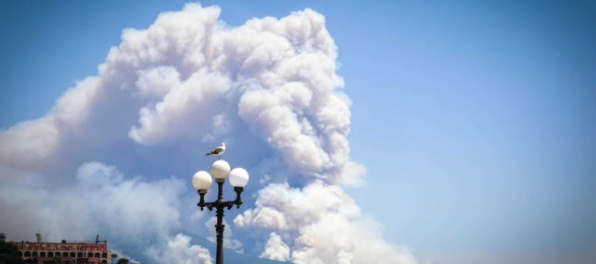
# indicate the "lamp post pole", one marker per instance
pixel 219 227
pixel 202 180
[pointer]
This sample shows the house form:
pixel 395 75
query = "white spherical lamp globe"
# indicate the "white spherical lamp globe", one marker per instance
pixel 202 180
pixel 238 177
pixel 220 169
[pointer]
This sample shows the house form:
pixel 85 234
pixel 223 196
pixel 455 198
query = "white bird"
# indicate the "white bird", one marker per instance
pixel 218 151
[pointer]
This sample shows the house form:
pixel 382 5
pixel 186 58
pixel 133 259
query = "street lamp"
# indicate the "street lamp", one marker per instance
pixel 202 180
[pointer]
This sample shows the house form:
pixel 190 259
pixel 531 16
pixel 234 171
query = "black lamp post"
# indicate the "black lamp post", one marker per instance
pixel 202 180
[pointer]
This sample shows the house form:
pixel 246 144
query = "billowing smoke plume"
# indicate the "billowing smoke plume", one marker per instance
pixel 115 154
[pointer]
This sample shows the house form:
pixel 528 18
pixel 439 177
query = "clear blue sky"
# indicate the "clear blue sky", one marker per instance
pixel 476 121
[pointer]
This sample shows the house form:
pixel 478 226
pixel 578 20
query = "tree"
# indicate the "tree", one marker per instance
pixel 123 261
pixel 9 254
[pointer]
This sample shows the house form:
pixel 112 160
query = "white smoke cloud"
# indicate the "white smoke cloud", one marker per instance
pixel 162 97
pixel 323 224
pixel 276 249
pixel 179 250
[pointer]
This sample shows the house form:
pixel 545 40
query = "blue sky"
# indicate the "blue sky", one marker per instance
pixel 475 121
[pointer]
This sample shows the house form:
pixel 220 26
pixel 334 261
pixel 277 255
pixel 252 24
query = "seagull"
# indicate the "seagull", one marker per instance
pixel 218 151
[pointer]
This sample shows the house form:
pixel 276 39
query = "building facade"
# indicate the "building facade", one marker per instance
pixel 75 253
